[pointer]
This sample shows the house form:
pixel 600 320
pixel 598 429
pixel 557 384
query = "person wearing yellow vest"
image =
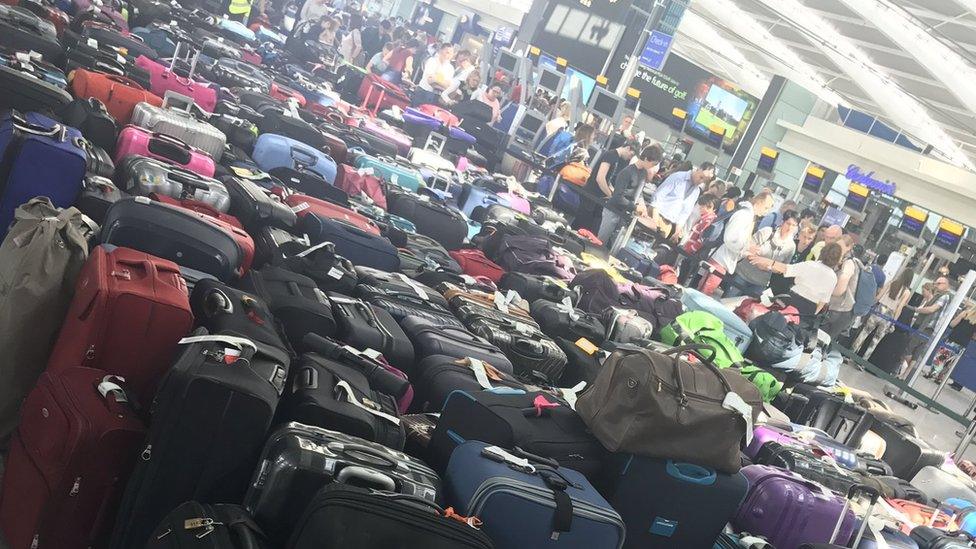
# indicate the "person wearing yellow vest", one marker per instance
pixel 240 10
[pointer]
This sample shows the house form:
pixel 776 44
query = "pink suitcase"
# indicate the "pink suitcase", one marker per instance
pixel 402 140
pixel 136 140
pixel 162 79
pixel 517 203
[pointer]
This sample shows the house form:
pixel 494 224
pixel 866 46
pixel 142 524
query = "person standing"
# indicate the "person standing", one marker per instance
pixel 894 296
pixel 774 219
pixel 676 197
pixel 779 284
pixel 628 187
pixel 962 328
pixel 400 62
pixel 828 235
pixel 351 46
pixel 493 98
pixel 813 281
pixel 737 241
pixel 935 301
pixel 598 184
pixel 773 243
pixel 438 75
pixel 840 312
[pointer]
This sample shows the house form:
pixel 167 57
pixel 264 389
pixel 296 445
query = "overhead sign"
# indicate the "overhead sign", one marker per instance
pixel 656 50
pixel 949 235
pixel 913 221
pixel 857 175
pixel 857 197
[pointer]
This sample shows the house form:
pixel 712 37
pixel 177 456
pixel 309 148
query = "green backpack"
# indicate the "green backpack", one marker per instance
pixel 704 328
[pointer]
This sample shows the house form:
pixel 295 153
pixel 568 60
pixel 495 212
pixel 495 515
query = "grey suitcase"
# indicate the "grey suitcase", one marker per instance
pixel 174 119
pixel 940 485
pixel 143 176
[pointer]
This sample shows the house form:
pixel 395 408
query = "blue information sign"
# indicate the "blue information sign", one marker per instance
pixel 656 50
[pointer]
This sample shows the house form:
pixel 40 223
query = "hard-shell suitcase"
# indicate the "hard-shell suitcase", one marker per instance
pixel 164 79
pixel 379 129
pixel 169 232
pixel 119 93
pixel 137 141
pixel 432 218
pixel 300 459
pixel 430 338
pixel 341 515
pixel 735 328
pixel 304 205
pixel 204 209
pixel 25 88
pixel 361 247
pixel 905 453
pixel 627 326
pixel 325 393
pixel 140 175
pixel 364 326
pixel 438 376
pixel 276 151
pixel 370 144
pixel 311 184
pixel 533 287
pixel 934 538
pixel 68 461
pixel 22 30
pixel 940 484
pixel 807 464
pixel 181 125
pixel 698 505
pixel 542 505
pixel 255 207
pixel 235 30
pixel 532 354
pixel 295 301
pixel 128 312
pixel 392 171
pixel 199 525
pixel 209 421
pixel 40 158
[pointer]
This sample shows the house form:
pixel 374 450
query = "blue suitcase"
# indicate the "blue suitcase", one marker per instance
pixel 264 34
pixel 362 248
pixel 474 199
pixel 235 30
pixel 392 171
pixel 736 328
pixel 637 255
pixel 547 507
pixel 277 151
pixel 40 158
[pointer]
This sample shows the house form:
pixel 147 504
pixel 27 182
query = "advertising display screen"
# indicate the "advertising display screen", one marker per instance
pixel 767 160
pixel 949 236
pixel 913 221
pixel 584 32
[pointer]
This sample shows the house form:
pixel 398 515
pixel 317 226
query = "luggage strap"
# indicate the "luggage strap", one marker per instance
pixel 343 388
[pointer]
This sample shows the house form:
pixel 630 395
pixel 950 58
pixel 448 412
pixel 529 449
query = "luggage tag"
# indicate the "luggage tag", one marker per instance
pixel 413 286
pixel 524 329
pixel 343 388
pixel 500 303
pixel 499 455
pixel 571 394
pixel 480 373
pixel 300 207
pixel 735 403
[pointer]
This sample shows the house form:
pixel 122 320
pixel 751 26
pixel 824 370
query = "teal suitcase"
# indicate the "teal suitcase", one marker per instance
pixel 392 171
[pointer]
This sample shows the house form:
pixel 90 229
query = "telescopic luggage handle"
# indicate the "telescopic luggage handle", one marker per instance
pixel 852 493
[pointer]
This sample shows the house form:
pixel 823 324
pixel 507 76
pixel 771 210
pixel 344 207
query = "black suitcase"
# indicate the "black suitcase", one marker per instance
pixel 272 246
pixel 278 122
pixel 360 247
pixel 534 356
pixel 239 131
pixel 133 46
pixel 845 422
pixel 98 161
pixel 366 326
pixel 897 488
pixel 535 287
pixel 426 249
pixel 311 184
pixel 403 303
pixel 22 30
pixel 172 233
pixel 905 453
pixel 808 465
pixel 433 218
pixel 295 301
pixel 237 74
pixel 325 393
pixel 430 338
pixel 932 538
pixel 220 308
pixel 143 12
pixel 260 102
pixel 299 459
pixel 97 196
pixel 381 376
pixel 198 525
pixel 255 207
pixel 209 419
pixel 341 516
pixel 399 282
pixel 438 376
pixel 558 320
pixel 78 54
pixel 22 88
pixel 583 362
pixel 330 271
pixel 95 123
pixel 535 422
pixel 240 110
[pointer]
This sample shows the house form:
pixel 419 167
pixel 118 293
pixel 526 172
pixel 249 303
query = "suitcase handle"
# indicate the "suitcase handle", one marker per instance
pixel 370 455
pixel 303 156
pixel 170 147
pixel 187 179
pixel 124 80
pixel 365 475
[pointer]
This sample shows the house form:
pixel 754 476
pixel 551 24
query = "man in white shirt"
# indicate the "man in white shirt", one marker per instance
pixel 738 232
pixel 438 75
pixel 676 197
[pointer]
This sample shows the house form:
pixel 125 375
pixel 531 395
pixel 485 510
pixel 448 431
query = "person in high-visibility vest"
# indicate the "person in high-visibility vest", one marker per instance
pixel 240 10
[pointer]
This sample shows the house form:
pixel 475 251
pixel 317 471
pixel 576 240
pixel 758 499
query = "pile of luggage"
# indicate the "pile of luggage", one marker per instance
pixel 253 299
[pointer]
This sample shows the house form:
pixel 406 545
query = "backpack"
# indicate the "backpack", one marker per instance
pixel 866 290
pixel 775 341
pixel 714 235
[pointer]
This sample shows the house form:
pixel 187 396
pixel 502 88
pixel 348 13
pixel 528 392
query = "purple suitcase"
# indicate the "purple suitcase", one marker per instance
pixel 804 436
pixel 789 510
pixel 393 135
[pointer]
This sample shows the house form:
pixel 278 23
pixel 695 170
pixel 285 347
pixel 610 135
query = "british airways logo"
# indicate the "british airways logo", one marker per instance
pixel 857 175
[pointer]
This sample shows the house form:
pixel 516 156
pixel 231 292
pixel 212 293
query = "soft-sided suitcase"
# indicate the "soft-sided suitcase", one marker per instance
pixel 933 538
pixel 22 30
pixel 392 171
pixel 430 338
pixel 255 207
pixel 195 525
pixel 311 184
pixel 905 453
pixel 181 125
pixel 220 308
pixel 534 287
pixel 119 94
pixel 24 88
pixel 438 376
pixel 231 73
pixel 562 320
pixel 330 271
pixel 208 211
pixel 279 122
pixel 341 516
pixel 362 248
pixel 277 151
pixel 128 312
pixel 304 205
pixel 97 196
pixel 698 505
pixel 295 301
pixel 357 183
pixel 533 355
pixel 382 130
pixel 68 461
pixel 542 505
pixel 364 326
pixel 191 240
pixel 40 158
pixel 209 421
pixel 300 459
pixel 140 175
pixel 134 140
pixel 92 119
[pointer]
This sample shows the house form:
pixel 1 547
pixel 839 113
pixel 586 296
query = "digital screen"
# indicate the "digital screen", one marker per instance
pixel 507 61
pixel 584 32
pixel 767 163
pixel 549 80
pixel 586 83
pixel 530 125
pixel 605 105
pixel 721 109
pixel 913 221
pixel 949 235
pixel 834 216
pixel 857 197
pixel 813 179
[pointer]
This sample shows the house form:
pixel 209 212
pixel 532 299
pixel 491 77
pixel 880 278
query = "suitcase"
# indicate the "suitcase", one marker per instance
pixel 137 141
pixel 364 326
pixel 128 312
pixel 426 249
pixel 846 422
pixel 335 146
pixel 304 205
pixel 438 376
pixel 97 196
pixel 367 519
pixel 24 88
pixel 119 93
pixel 140 175
pixel 97 160
pixel 65 494
pixel 220 308
pixel 807 464
pixel 280 122
pixel 432 218
pixel 379 95
pixel 232 73
pixel 164 79
pixel 235 31
pixel 357 183
pixel 533 355
pixel 295 301
pixel 788 510
pixel 392 172
pixel 430 160
pixel 208 211
pixel 939 484
pixel 40 158
pixel 94 122
pixel 372 126
pixel 698 505
pixel 627 326
pixel 311 184
pixel 191 240
pixel 933 538
pixel 370 144
pixel 542 505
pixel 22 30
pixel 917 514
pixel 236 130
pixel 430 338
pixel 181 125
pixel 330 271
pixel 536 422
pixel 534 287
pixel 194 524
pixel 327 394
pixel 78 54
pixel 565 321
pixel 735 328
pixel 277 151
pixel 255 207
pixel 209 421
pixel 362 248
pixel 906 454
pixel 299 459
pixel 107 35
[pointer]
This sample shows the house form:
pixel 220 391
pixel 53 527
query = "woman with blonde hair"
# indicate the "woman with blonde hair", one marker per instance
pixel 894 296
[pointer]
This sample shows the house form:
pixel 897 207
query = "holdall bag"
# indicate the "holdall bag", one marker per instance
pixel 164 79
pixel 474 263
pixel 277 151
pixel 327 394
pixel 40 259
pixel 535 287
pixel 295 301
pixel 128 312
pixel 97 196
pixel 27 86
pixel 370 519
pixel 119 94
pixel 440 375
pixel 533 355
pixel 220 308
pixel 330 271
pixel 137 141
pixel 194 524
pixel 255 207
pixel 64 495
pixel 443 223
pixel 181 125
pixel 304 205
pixel 536 422
pixel 392 172
pixel 361 182
pixel 364 326
pixel 699 501
pixel 430 338
pixel 300 459
pixel 140 175
pixel 311 184
pixel 535 504
pixel 671 421
pixel 362 248
pixel 210 419
pixel 189 239
pixel 40 158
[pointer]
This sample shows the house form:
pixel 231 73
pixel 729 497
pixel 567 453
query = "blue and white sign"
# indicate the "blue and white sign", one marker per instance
pixel 857 175
pixel 656 50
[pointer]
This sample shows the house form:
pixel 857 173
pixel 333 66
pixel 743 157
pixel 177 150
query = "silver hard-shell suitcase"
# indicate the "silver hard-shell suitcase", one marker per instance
pixel 175 120
pixel 143 176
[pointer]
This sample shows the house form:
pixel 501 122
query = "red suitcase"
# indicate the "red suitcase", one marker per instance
pixel 128 313
pixel 244 240
pixel 474 263
pixel 198 207
pixel 303 205
pixel 356 182
pixel 69 461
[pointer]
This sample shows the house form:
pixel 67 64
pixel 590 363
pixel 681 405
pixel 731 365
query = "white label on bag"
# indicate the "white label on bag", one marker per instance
pixel 312 249
pixel 373 354
pixel 524 328
pixel 395 178
pixel 335 273
pixel 570 394
pixel 735 403
pixel 93 43
pixel 480 374
pixel 301 207
pixel 500 302
pixel 413 286
pixel 350 397
pixel 230 340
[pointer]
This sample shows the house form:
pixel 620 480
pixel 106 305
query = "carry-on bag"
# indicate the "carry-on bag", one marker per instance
pixel 295 301
pixel 378 128
pixel 433 218
pixel 164 79
pixel 176 121
pixel 128 312
pixel 140 175
pixel 300 459
pixel 195 525
pixel 330 271
pixel 65 495
pixel 209 421
pixel 136 141
pixel 27 85
pixel 92 119
pixel 430 338
pixel 311 184
pixel 304 205
pixel 474 263
pixel 526 502
pixel 119 93
pixel 364 326
pixel 277 151
pixel 391 171
pixel 627 326
pixel 361 247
